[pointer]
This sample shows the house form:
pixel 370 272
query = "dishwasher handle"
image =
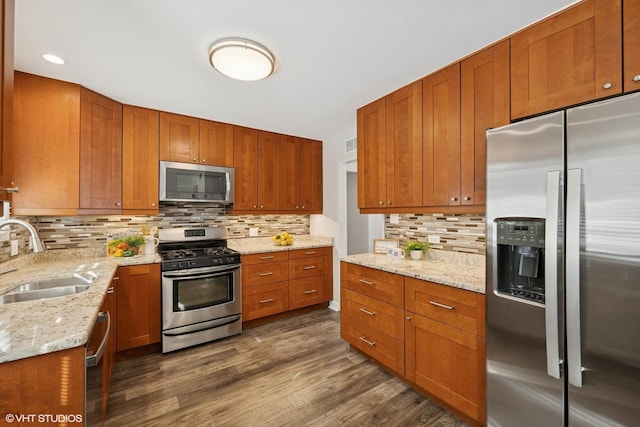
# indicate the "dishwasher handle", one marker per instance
pixel 94 359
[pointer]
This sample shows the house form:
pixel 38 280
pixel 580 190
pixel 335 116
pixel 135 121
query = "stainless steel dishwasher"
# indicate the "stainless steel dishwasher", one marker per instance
pixel 96 372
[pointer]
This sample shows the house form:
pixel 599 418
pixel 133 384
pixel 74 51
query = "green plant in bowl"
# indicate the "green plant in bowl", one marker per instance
pixel 413 245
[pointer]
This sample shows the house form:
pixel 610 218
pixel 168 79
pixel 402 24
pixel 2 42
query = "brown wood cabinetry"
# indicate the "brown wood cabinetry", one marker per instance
pixel 216 143
pixel 7 13
pixel 310 276
pixel 572 57
pixel 265 284
pixel 257 162
pixel 390 150
pixel 372 306
pixel 484 104
pixel 300 175
pixel 631 39
pixel 445 344
pixel 179 138
pixel 138 307
pixel 45 153
pixel 100 154
pixel 140 160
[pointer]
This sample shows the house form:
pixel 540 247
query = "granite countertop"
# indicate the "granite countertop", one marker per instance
pixel 30 328
pixel 252 245
pixel 460 270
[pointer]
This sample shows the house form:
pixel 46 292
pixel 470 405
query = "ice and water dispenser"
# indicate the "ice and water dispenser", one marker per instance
pixel 520 257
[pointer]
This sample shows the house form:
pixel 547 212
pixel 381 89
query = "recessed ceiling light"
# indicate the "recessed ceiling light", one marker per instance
pixel 53 58
pixel 241 59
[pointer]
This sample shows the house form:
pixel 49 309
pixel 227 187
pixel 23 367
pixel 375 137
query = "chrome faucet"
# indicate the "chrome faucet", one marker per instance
pixel 36 242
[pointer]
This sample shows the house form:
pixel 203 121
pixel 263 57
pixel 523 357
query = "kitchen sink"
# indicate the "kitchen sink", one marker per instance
pixel 51 283
pixel 42 294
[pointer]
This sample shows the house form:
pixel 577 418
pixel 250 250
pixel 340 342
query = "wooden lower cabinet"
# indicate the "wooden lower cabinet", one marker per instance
pixel 430 335
pixel 138 295
pixel 265 300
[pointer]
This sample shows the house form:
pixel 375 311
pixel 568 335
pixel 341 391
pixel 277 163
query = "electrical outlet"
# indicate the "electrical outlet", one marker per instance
pixel 14 247
pixel 394 218
pixel 5 235
pixel 253 231
pixel 433 239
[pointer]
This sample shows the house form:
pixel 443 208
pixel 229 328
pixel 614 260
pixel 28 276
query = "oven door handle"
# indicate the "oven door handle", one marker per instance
pixel 199 274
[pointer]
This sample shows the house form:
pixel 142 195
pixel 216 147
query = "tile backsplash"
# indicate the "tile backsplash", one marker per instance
pixel 459 233
pixel 92 231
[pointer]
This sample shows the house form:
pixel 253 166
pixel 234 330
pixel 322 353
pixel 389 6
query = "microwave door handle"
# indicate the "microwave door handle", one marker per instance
pixel 551 274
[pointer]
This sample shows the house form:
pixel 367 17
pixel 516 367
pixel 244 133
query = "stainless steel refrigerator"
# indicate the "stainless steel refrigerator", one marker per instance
pixel 563 268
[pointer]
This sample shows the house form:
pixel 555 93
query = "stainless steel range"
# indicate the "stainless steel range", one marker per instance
pixel 201 287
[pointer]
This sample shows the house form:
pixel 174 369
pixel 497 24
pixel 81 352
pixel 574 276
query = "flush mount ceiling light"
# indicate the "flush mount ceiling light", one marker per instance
pixel 241 59
pixel 55 59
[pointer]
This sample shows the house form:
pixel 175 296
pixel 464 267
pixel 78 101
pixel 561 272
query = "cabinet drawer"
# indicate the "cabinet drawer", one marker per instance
pixel 309 291
pixel 265 257
pixel 264 300
pixel 375 283
pixel 267 272
pixel 379 346
pixel 381 316
pixel 307 267
pixel 310 253
pixel 455 307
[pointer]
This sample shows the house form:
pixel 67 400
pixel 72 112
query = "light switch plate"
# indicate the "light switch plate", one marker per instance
pixel 433 239
pixel 394 218
pixel 253 231
pixel 14 247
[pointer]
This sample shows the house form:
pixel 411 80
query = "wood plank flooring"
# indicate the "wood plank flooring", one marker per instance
pixel 293 372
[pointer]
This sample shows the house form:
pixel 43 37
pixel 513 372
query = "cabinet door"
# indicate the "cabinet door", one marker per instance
pixel 485 104
pixel 631 37
pixel 179 138
pixel 441 137
pixel 311 190
pixel 268 171
pixel 446 362
pixel 6 89
pixel 569 58
pixel 372 158
pixel 100 153
pixel 309 291
pixel 290 172
pixel 45 154
pixel 138 306
pixel 216 143
pixel 140 160
pixel 404 146
pixel 265 300
pixel 245 160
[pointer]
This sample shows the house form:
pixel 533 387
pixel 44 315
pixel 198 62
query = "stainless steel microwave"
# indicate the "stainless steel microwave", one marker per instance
pixel 186 182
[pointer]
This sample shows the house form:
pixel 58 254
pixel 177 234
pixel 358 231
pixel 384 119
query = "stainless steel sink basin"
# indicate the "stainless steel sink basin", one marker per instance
pixel 42 293
pixel 50 283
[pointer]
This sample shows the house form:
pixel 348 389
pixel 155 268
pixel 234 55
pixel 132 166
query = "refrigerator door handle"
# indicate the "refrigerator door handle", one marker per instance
pixel 574 337
pixel 551 274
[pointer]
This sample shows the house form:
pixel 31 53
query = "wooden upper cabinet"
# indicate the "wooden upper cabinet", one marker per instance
pixel 441 137
pixel 572 57
pixel 245 161
pixel 6 90
pixel 403 123
pixel 45 155
pixel 268 170
pixel 179 138
pixel 100 153
pixel 140 160
pixel 216 143
pixel 631 37
pixel 289 173
pixel 485 104
pixel 372 165
pixel 311 187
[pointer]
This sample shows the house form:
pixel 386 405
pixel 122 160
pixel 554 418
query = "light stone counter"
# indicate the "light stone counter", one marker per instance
pixel 460 270
pixel 31 328
pixel 252 245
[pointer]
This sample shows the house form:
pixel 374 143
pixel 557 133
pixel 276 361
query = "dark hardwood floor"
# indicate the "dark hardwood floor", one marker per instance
pixel 293 372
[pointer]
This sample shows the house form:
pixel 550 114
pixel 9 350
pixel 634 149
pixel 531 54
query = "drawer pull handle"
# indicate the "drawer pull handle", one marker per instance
pixel 437 304
pixel 267 273
pixel 366 341
pixel 310 253
pixel 365 311
pixel 266 257
pixel 366 282
pixel 264 301
pixel 309 267
pixel 312 291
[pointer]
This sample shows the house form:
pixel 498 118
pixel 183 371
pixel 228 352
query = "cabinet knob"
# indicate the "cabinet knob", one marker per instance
pixel 204 160
pixel 153 205
pixel 636 78
pixel 408 318
pixel 388 202
pixel 255 207
pixel 118 204
pixel 467 198
pixel 110 290
pixel 454 199
pixel 302 206
pixel 195 159
pixel 381 202
pixel 607 85
pixel 261 206
pixel 297 207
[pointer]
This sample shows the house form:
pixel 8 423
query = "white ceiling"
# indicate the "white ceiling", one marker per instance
pixel 332 56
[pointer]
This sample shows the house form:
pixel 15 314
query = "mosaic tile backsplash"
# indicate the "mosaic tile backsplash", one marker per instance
pixel 459 233
pixel 92 231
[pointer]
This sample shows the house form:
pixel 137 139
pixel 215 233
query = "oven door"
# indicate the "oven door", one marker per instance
pixel 200 295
